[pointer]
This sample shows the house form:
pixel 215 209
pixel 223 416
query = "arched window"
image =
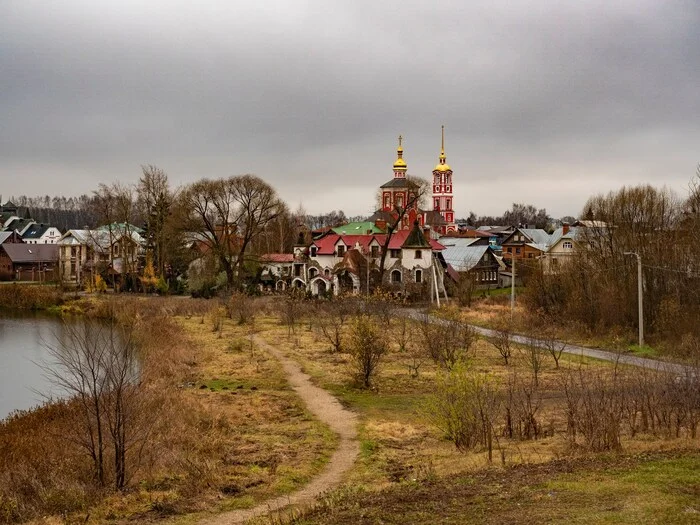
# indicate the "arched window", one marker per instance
pixel 313 272
pixel 419 276
pixel 327 272
pixel 396 276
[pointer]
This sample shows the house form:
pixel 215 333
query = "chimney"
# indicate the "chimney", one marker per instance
pixel 381 224
pixel 565 228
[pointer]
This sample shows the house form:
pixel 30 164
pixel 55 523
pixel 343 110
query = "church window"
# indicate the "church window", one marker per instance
pixel 312 272
pixel 437 204
pixel 396 276
pixel 448 204
pixel 418 255
pixel 419 276
pixel 327 272
pixel 399 201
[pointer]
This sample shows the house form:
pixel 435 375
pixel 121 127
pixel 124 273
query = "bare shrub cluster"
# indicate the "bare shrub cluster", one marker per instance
pixel 447 342
pixel 599 407
pixel 29 297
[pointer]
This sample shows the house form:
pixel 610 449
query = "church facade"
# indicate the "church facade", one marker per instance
pixel 400 197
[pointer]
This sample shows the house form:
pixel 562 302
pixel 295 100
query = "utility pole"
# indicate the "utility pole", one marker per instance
pixel 640 295
pixel 512 287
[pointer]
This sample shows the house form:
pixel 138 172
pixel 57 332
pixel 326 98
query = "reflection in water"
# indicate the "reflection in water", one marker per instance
pixel 24 343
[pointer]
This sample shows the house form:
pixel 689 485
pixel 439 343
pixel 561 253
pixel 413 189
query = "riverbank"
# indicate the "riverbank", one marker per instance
pixel 224 428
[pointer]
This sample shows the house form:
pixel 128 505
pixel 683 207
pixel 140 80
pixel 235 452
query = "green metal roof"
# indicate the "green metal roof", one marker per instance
pixel 357 228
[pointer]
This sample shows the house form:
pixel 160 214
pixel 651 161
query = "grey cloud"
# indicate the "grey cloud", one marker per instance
pixel 312 95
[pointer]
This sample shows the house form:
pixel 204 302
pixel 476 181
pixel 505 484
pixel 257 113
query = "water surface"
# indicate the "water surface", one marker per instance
pixel 24 343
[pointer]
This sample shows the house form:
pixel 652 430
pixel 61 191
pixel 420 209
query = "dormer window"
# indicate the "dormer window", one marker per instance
pixel 341 250
pixel 568 245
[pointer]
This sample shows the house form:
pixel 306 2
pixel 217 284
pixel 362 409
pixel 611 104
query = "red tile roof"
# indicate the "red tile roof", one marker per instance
pixel 277 257
pixel 326 245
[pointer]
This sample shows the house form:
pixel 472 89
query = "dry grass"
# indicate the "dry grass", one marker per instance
pixel 229 432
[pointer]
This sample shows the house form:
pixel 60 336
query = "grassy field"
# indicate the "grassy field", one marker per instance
pixel 245 437
pixel 652 488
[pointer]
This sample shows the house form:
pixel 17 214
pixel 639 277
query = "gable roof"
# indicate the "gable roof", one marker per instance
pixel 31 253
pixel 4 236
pixel 35 231
pixel 415 238
pixel 464 258
pixel 19 224
pixel 398 182
pixel 458 241
pixel 326 244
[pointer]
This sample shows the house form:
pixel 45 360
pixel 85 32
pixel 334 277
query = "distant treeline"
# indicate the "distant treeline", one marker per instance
pixel 65 213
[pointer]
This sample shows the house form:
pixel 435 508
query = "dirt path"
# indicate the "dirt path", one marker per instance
pixel 327 409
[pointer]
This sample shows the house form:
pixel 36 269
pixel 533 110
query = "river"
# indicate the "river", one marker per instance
pixel 24 342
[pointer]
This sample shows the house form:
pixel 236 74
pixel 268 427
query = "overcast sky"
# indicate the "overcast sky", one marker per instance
pixel 544 102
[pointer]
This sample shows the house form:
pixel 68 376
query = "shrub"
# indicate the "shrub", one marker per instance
pixel 367 348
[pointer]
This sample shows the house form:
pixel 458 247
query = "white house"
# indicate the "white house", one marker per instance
pixel 41 234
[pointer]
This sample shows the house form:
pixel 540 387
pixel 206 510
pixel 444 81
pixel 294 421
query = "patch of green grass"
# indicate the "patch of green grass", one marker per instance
pixel 368 447
pixel 643 351
pixel 373 404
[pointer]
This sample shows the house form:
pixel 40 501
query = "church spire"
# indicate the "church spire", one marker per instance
pixel 400 166
pixel 442 164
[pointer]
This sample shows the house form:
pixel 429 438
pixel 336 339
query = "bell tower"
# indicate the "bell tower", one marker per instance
pixel 442 190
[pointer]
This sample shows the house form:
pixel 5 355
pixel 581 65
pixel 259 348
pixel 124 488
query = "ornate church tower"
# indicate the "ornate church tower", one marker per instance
pixel 400 194
pixel 442 191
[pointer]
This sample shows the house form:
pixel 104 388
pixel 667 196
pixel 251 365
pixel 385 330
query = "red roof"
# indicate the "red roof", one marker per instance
pixel 277 257
pixel 326 245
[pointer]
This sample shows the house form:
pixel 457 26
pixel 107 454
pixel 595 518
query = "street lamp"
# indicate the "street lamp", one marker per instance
pixel 639 296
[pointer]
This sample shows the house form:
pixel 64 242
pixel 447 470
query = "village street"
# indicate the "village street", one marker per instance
pixel 595 353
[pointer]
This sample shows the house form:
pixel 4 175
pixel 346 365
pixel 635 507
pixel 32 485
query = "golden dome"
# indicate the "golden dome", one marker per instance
pixel 442 167
pixel 400 164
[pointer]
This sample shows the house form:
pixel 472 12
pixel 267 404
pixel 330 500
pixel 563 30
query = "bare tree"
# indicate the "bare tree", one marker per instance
pixel 227 215
pixel 155 199
pixel 96 364
pixel 555 347
pixel 502 340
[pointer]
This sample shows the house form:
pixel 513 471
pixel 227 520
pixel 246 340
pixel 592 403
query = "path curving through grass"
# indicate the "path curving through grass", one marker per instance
pixel 328 410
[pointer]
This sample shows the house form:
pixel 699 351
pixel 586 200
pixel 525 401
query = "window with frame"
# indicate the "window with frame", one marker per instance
pixel 374 251
pixel 568 245
pixel 341 250
pixel 517 250
pixel 419 276
pixel 395 254
pixel 313 272
pixel 418 254
pixel 396 276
